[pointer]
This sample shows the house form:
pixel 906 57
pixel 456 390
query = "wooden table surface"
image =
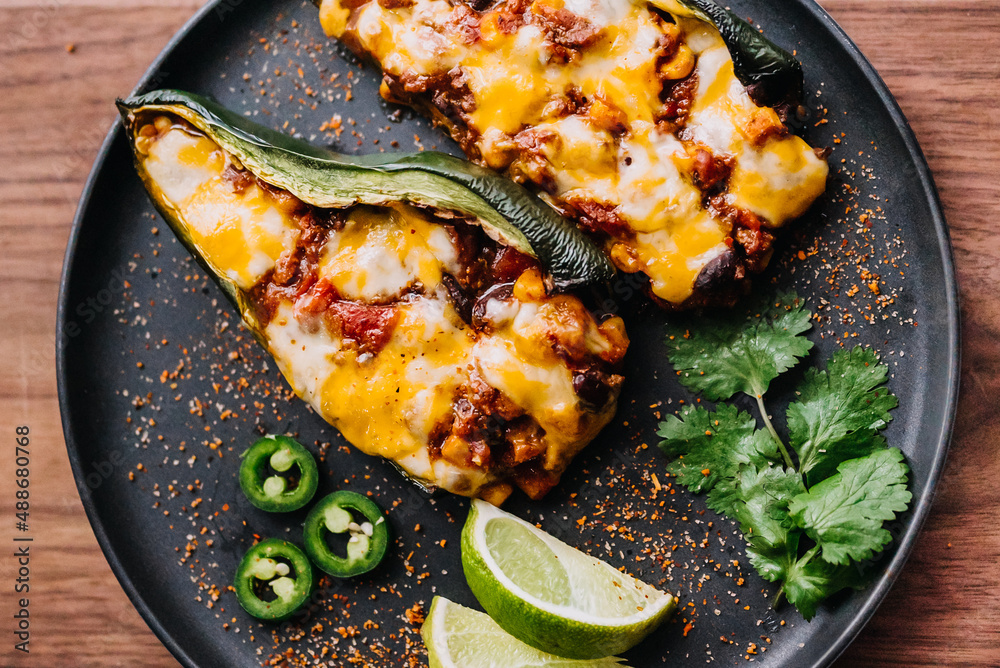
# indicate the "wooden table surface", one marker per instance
pixel 941 58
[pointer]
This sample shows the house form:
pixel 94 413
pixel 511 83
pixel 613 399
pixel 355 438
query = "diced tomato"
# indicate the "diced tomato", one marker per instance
pixel 370 325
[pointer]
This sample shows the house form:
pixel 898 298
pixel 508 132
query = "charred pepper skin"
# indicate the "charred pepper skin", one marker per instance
pixel 281 567
pixel 339 513
pixel 272 493
pixel 332 180
pixel 771 74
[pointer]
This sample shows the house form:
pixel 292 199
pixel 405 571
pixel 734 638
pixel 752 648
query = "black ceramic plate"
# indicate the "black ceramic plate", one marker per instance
pixel 161 389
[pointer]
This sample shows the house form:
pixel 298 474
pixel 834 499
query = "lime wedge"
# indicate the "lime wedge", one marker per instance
pixel 552 596
pixel 458 637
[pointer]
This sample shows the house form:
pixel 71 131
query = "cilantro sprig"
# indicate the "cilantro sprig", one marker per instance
pixel 727 356
pixel 814 509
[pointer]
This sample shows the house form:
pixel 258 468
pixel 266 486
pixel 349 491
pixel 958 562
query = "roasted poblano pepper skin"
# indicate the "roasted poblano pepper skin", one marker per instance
pixel 772 75
pixel 440 181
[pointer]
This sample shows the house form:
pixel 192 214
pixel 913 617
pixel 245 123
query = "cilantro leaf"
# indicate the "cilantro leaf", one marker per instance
pixel 725 355
pixel 809 581
pixel 844 513
pixel 762 511
pixel 805 581
pixel 710 447
pixel 839 412
pixel 773 562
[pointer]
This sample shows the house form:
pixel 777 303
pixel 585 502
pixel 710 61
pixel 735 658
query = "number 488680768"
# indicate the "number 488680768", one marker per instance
pixel 22 460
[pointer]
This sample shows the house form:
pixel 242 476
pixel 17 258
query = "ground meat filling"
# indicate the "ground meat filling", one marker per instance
pixel 445 96
pixel 711 170
pixel 752 238
pixel 465 21
pixel 485 429
pixel 510 17
pixel 600 219
pixel 678 97
pixel 566 32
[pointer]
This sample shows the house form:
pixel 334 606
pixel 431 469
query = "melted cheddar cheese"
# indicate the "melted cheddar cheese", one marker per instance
pixel 241 235
pixel 380 253
pixel 387 402
pixel 519 81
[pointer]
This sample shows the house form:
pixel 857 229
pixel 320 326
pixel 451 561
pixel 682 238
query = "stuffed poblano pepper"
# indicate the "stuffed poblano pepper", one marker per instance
pixel 656 126
pixel 413 300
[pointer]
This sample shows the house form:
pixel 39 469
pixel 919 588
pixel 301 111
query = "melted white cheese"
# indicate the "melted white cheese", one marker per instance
pixel 305 355
pixel 381 253
pixel 602 13
pixel 179 178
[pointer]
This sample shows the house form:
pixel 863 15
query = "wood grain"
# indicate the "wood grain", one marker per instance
pixel 941 58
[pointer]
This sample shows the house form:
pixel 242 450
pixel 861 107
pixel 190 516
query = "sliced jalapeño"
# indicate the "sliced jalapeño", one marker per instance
pixel 363 523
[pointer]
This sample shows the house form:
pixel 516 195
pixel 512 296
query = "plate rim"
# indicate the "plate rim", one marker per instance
pixel 920 510
pixel 925 502
pixel 62 317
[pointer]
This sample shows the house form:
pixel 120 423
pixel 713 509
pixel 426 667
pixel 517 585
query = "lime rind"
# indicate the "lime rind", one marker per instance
pixel 605 611
pixel 615 605
pixel 459 637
